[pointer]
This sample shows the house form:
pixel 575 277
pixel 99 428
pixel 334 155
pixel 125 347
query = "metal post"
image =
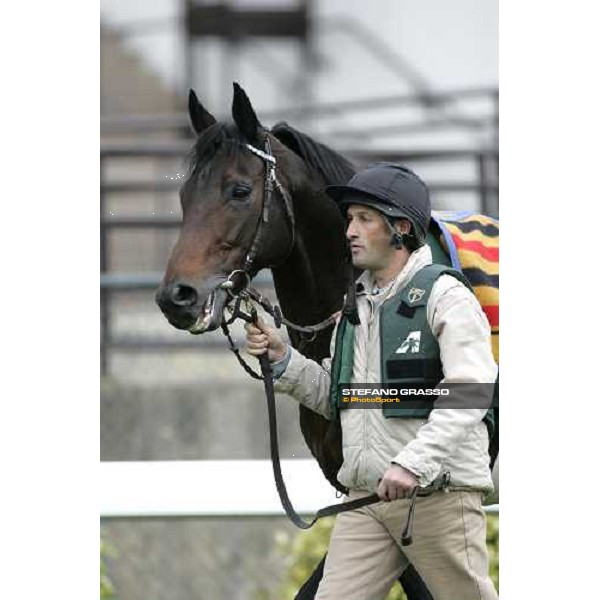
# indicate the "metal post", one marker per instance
pixel 496 117
pixel 230 49
pixel 497 146
pixel 188 51
pixel 482 183
pixel 306 75
pixel 104 293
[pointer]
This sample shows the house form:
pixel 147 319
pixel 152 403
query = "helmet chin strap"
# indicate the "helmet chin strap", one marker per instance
pixel 396 239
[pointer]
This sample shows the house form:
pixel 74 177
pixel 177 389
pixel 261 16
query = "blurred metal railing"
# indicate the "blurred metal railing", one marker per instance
pixel 180 121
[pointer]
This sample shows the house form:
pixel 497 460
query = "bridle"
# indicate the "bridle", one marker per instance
pixel 237 282
pixel 271 182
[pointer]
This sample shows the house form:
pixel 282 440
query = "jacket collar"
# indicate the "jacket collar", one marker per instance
pixel 416 261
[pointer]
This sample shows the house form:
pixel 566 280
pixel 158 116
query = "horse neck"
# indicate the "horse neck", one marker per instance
pixel 310 285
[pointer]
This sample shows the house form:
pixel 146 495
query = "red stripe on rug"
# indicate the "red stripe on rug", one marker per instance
pixel 493 314
pixel 491 254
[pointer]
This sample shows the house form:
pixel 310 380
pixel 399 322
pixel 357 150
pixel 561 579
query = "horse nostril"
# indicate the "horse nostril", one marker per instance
pixel 183 295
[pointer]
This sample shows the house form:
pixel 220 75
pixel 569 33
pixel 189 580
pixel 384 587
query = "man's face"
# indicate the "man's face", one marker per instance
pixel 369 238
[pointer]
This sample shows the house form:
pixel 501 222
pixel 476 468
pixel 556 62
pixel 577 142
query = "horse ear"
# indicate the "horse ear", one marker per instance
pixel 243 114
pixel 199 116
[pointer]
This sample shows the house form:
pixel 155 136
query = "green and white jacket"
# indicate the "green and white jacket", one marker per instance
pixel 454 440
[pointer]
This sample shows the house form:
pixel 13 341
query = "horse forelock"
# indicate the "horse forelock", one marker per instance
pixel 210 141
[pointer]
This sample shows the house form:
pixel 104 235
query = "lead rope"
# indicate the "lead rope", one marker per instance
pixel 277 315
pixel 332 509
pixel 267 378
pixel 293 516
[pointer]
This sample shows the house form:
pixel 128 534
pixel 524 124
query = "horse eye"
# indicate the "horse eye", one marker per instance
pixel 240 192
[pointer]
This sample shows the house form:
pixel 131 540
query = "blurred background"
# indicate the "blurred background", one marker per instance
pixel 413 81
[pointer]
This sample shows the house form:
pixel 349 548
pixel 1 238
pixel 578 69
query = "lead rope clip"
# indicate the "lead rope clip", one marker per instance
pixel 441 484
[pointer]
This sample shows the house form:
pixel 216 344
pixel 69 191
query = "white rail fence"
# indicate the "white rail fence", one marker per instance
pixel 211 488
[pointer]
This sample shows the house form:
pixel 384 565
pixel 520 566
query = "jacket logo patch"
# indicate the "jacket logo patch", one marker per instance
pixel 415 294
pixel 411 344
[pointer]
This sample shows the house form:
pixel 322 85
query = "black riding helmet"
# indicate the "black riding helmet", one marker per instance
pixel 393 190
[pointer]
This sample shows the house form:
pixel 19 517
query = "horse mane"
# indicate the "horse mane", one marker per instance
pixel 328 164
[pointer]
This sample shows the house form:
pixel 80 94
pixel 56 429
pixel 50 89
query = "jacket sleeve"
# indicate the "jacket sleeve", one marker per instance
pixel 307 381
pixel 463 334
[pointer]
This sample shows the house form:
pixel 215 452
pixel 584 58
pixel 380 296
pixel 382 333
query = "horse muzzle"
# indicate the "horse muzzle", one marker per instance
pixel 211 315
pixel 185 308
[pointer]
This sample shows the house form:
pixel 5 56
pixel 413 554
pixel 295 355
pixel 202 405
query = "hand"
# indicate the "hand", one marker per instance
pixel 396 483
pixel 261 338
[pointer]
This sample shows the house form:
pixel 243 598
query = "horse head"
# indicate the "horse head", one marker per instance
pixel 228 231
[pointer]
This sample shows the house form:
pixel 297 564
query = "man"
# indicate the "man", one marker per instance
pixel 418 324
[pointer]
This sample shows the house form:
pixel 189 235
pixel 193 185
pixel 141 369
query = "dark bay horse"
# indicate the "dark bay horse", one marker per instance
pixel 222 199
pixel 227 232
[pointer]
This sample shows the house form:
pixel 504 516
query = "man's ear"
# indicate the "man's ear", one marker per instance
pixel 403 226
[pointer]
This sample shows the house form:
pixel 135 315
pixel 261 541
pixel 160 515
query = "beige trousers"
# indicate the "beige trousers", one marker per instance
pixel 448 549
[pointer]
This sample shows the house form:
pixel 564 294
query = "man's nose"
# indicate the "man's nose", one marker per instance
pixel 351 232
